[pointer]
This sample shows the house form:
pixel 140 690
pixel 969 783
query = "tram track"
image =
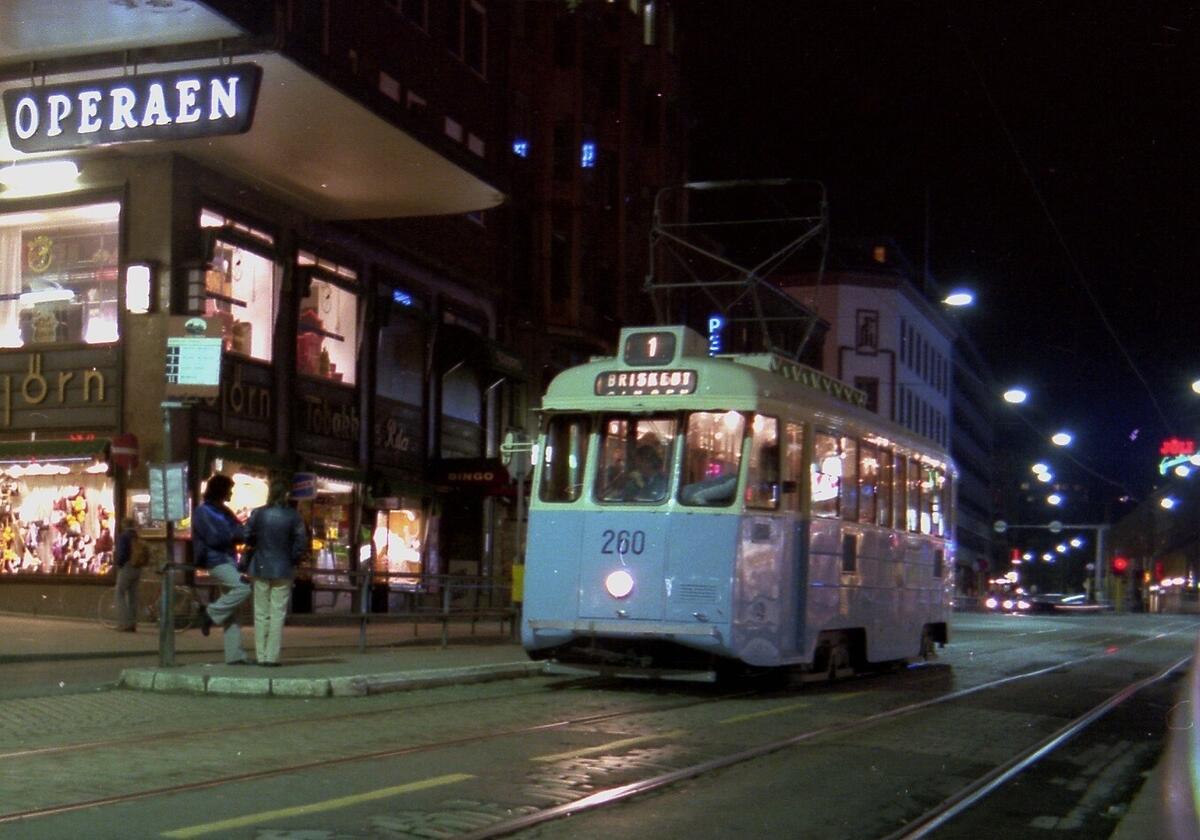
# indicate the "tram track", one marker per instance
pixel 605 797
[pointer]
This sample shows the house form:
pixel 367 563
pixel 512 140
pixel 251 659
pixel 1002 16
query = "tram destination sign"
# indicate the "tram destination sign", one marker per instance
pixel 198 102
pixel 641 383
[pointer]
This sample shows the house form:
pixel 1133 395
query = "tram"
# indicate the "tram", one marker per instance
pixel 693 515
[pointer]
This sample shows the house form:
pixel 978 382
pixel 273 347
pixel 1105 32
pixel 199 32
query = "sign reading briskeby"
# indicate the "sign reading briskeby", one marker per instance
pixel 200 102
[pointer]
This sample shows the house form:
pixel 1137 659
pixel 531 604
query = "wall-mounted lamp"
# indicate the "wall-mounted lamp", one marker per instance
pixel 140 287
pixel 39 177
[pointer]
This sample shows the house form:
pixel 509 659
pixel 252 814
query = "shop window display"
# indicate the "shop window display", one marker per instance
pixel 399 537
pixel 328 517
pixel 56 518
pixel 59 275
pixel 327 330
pixel 241 289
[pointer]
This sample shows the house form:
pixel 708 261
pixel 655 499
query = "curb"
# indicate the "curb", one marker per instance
pixel 167 680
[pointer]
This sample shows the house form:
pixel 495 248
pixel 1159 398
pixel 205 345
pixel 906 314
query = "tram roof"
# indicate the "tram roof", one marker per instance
pixel 763 381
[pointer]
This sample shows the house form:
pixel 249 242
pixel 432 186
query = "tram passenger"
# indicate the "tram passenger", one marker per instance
pixel 716 490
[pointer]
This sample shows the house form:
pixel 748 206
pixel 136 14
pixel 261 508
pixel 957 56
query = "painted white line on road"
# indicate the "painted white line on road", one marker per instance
pixel 317 807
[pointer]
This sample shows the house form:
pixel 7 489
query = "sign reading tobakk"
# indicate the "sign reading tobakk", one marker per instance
pixel 199 102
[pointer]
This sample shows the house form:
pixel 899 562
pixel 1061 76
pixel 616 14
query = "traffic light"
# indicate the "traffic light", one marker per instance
pixel 1120 565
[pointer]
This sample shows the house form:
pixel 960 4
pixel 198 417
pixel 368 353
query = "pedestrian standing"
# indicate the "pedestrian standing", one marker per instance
pixel 277 540
pixel 216 533
pixel 128 557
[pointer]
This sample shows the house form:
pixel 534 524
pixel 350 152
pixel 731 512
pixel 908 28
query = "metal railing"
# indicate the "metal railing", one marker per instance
pixel 438 599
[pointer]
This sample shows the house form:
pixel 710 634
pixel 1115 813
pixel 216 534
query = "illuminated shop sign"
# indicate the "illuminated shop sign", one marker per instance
pixel 200 102
pixel 1176 446
pixel 645 383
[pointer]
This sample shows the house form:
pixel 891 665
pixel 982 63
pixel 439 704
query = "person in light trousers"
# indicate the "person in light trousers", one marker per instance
pixel 216 533
pixel 277 540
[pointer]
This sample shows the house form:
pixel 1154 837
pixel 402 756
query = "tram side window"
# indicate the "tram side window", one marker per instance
pixel 635 459
pixel 793 465
pixel 849 479
pixel 947 498
pixel 883 509
pixel 826 475
pixel 868 483
pixel 564 455
pixel 762 477
pixel 932 485
pixel 712 457
pixel 900 485
pixel 914 496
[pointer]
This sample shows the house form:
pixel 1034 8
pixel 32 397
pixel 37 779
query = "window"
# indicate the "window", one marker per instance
pixel 58 275
pixel 793 465
pixel 327 330
pixel 869 470
pixel 564 456
pixel 849 479
pixel 869 385
pixel 866 330
pixel 826 478
pixel 914 495
pixel 900 485
pixel 474 51
pixel 241 290
pixel 400 362
pixel 414 10
pixel 762 476
pixel 883 507
pixel 932 495
pixel 635 459
pixel 712 458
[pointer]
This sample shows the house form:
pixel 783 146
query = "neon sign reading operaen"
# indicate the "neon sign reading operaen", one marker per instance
pixel 198 102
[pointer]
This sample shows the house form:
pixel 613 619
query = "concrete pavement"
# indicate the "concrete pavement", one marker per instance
pixel 317 661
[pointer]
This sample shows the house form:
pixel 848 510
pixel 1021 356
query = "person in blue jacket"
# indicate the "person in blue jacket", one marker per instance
pixel 277 539
pixel 216 533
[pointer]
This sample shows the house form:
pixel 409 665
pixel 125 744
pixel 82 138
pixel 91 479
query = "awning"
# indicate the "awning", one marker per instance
pixel 336 472
pixel 27 451
pixel 309 144
pixel 459 345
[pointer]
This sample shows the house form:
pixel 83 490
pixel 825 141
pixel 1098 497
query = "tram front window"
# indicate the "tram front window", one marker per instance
pixel 712 457
pixel 564 454
pixel 635 463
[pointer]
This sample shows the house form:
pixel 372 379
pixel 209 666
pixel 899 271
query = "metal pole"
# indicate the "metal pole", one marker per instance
pixel 1099 581
pixel 166 611
pixel 519 559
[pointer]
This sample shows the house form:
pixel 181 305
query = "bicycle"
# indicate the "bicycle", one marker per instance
pixel 186 608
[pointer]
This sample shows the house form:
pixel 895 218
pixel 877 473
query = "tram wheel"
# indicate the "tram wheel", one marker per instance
pixel 839 663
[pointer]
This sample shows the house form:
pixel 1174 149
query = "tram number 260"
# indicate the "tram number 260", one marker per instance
pixel 623 542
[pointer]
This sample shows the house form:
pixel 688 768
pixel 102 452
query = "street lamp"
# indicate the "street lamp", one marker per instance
pixel 1167 503
pixel 1016 395
pixel 1054 499
pixel 1061 439
pixel 959 297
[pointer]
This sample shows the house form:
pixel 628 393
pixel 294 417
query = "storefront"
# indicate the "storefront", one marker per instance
pixel 57 507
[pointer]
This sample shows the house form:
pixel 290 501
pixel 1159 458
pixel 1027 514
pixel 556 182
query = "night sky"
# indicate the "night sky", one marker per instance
pixel 1050 145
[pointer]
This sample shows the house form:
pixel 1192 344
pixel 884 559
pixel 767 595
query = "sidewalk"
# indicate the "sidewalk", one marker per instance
pixel 318 661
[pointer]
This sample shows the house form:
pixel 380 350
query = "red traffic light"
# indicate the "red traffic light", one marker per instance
pixel 1120 565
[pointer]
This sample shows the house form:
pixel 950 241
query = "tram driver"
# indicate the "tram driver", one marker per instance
pixel 647 481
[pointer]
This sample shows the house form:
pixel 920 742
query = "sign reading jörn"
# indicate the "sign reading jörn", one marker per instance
pixel 200 102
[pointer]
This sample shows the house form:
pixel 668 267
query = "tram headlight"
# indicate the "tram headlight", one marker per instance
pixel 619 583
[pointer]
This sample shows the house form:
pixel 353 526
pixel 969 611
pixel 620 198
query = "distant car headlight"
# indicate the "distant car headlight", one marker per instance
pixel 1007 603
pixel 1023 605
pixel 619 583
pixel 991 603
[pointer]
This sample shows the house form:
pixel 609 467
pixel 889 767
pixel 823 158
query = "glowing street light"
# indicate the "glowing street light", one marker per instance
pixel 1045 477
pixel 1040 468
pixel 1061 548
pixel 1016 396
pixel 1076 542
pixel 1183 470
pixel 1054 499
pixel 959 297
pixel 1061 439
pixel 1196 386
pixel 1167 503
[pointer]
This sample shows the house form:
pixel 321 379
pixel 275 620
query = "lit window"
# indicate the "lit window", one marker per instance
pixel 58 275
pixel 327 331
pixel 587 158
pixel 241 292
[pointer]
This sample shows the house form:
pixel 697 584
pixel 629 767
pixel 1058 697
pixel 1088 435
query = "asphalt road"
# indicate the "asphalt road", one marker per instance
pixel 457 760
